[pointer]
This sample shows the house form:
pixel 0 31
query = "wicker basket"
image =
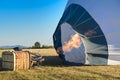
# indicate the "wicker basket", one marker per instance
pixel 16 60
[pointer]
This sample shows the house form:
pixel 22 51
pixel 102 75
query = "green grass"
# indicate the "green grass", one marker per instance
pixel 53 69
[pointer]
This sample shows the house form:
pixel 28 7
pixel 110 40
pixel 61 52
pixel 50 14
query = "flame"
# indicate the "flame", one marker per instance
pixel 74 42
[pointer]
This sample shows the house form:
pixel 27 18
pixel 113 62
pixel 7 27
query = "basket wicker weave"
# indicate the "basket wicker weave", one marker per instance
pixel 16 60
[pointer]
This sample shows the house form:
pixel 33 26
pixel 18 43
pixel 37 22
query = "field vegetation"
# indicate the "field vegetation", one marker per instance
pixel 53 69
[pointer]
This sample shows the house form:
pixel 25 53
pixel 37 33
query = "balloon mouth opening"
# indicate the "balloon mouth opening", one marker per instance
pixel 72 40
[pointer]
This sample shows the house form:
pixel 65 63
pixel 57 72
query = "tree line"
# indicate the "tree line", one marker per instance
pixel 37 45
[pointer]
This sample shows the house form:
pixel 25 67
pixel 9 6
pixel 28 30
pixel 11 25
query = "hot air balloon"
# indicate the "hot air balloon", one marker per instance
pixel 88 33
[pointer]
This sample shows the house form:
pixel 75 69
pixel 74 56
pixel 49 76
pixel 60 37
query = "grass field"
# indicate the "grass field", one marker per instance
pixel 53 69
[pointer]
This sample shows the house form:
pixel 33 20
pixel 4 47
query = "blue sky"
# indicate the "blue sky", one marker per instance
pixel 23 22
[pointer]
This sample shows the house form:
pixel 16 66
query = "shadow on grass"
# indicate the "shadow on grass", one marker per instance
pixel 0 63
pixel 52 61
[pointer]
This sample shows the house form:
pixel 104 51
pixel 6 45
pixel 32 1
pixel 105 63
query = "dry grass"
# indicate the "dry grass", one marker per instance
pixel 54 70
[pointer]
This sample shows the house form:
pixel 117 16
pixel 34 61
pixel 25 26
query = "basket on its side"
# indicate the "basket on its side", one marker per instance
pixel 15 60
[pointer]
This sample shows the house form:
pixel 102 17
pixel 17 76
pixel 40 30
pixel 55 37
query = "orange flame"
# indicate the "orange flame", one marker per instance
pixel 74 42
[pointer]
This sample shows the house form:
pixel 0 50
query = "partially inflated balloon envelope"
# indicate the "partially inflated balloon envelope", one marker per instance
pixel 88 33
